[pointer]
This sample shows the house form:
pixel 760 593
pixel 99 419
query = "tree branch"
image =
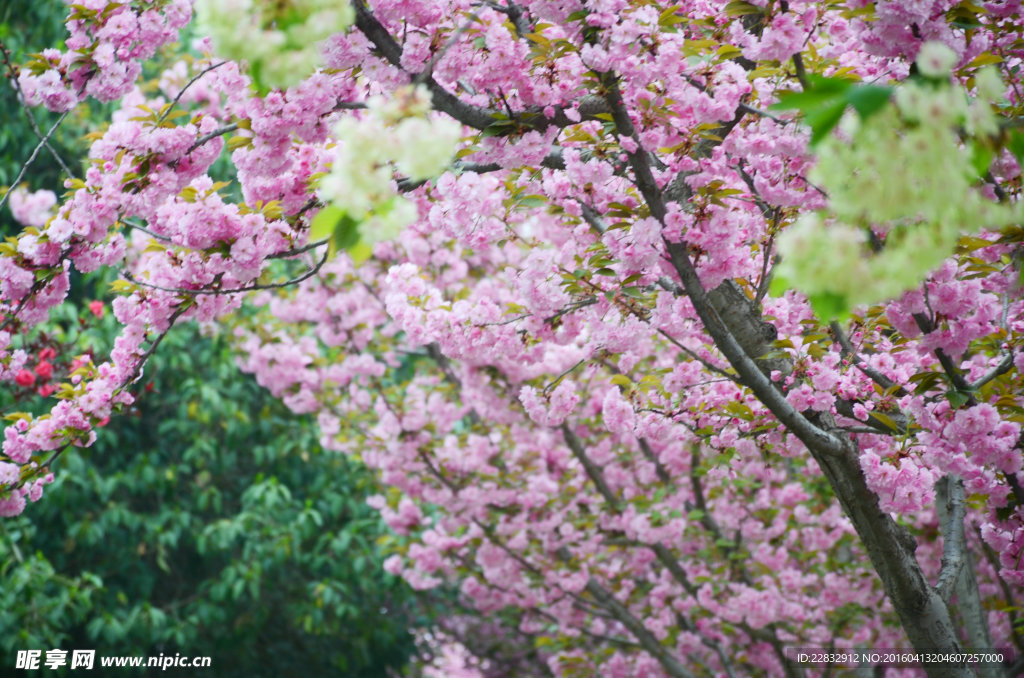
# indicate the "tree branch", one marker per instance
pixel 442 100
pixel 951 507
pixel 956 377
pixel 923 613
pixel 663 554
pixel 515 14
pixel 951 510
pixel 851 353
pixel 646 639
pixel 249 288
pixel 178 312
pixel 552 160
pixel 1008 597
pixel 477 117
pixel 1004 366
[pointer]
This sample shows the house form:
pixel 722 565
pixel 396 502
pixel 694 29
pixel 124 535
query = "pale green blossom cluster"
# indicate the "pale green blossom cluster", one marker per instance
pixel 278 38
pixel 905 173
pixel 398 130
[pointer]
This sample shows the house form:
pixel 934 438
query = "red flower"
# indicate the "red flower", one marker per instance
pixel 24 378
pixel 97 308
pixel 44 370
pixel 46 389
pixel 47 354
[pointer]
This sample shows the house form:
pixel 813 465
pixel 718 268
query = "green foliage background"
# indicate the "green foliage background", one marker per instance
pixel 28 26
pixel 206 521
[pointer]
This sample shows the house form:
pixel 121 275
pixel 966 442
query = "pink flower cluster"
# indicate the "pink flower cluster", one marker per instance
pixel 32 209
pixel 105 48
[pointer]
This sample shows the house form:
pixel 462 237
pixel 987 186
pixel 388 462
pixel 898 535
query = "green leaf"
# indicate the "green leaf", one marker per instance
pixel 670 16
pixel 339 229
pixel 984 59
pixel 533 201
pixel 925 381
pixel 829 305
pixel 829 85
pixel 360 252
pixel 868 99
pixel 779 285
pixel 238 141
pixel 820 93
pixel 346 234
pixel 741 9
pixel 822 121
pixel 825 100
pixel 325 222
pixel 884 420
pixel 1016 145
pixel 498 128
pixel 981 158
pixel 957 399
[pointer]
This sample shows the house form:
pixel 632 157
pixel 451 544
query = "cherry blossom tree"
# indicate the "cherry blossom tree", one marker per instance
pixel 683 335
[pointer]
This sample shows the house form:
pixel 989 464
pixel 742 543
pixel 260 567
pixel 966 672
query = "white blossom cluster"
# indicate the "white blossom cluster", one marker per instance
pixel 397 130
pixel 278 38
pixel 907 175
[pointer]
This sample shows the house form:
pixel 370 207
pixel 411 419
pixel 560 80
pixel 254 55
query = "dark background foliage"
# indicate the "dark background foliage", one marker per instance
pixel 207 521
pixel 28 26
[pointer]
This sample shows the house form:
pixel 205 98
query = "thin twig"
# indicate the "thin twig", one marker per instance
pixel 428 69
pixel 299 250
pixel 746 108
pixel 191 82
pixel 250 288
pixel 28 114
pixel 762 283
pixel 143 229
pixel 693 354
pixel 557 380
pixel 152 347
pixel 956 377
pixel 212 135
pixel 32 158
pixel 850 352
